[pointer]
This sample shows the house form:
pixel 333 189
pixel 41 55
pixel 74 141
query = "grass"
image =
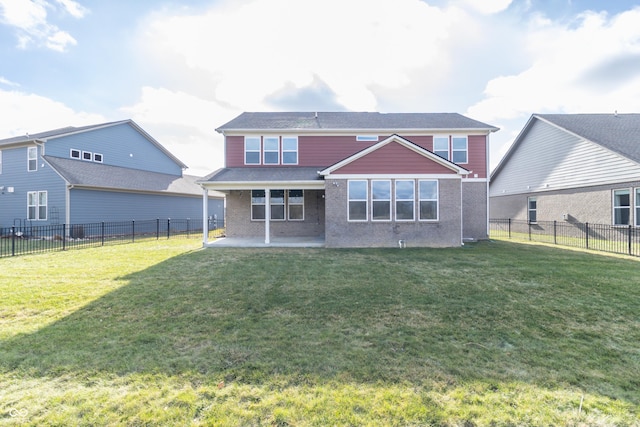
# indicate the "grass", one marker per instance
pixel 165 333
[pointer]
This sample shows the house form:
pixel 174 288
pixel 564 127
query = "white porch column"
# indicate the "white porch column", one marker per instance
pixel 205 216
pixel 267 216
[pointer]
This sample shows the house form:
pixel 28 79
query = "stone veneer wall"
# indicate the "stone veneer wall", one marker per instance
pixel 341 233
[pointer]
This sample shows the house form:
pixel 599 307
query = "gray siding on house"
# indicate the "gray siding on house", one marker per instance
pixel 89 206
pixel 120 145
pixel 549 158
pixel 13 206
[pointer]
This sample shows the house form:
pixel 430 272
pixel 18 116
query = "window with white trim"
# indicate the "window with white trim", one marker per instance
pixel 367 138
pixel 441 146
pixel 74 154
pixel 459 149
pixel 289 150
pixel 381 200
pixel 532 209
pixel 428 200
pixel 32 159
pixel 357 200
pixel 251 150
pixel 271 150
pixel 37 205
pixel 295 199
pixel 258 203
pixel 637 198
pixel 87 155
pixel 97 157
pixel 405 199
pixel 277 205
pixel 621 207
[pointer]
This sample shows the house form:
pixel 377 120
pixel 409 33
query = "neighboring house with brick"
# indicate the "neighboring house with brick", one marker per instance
pixel 106 172
pixel 356 179
pixel 571 167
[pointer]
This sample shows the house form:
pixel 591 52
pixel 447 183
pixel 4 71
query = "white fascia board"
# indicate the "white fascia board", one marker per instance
pixel 252 185
pixel 357 131
pixel 394 176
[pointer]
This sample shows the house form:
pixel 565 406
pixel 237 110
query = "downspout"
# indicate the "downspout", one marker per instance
pixel 267 216
pixel 67 206
pixel 461 214
pixel 488 173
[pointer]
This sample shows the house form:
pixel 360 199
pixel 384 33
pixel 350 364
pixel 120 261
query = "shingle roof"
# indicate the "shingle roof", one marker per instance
pixel 55 132
pixel 89 174
pixel 351 120
pixel 617 132
pixel 254 174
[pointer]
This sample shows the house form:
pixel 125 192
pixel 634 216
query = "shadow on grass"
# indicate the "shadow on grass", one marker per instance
pixel 492 312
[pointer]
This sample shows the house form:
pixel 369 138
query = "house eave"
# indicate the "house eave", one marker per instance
pixel 352 131
pixel 272 185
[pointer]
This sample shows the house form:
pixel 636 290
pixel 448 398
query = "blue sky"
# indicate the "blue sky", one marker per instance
pixel 182 68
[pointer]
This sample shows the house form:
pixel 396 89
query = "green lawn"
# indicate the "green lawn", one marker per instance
pixel 165 333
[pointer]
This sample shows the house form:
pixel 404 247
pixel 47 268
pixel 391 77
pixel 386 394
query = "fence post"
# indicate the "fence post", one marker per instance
pixel 509 227
pixel 168 228
pixel 13 240
pixel 555 242
pixel 102 233
pixel 188 219
pixel 157 228
pixel 629 240
pixel 64 237
pixel 133 230
pixel 529 227
pixel 586 231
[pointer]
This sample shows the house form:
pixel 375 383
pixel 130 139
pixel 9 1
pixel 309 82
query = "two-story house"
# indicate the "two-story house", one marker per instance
pixel 356 179
pixel 106 172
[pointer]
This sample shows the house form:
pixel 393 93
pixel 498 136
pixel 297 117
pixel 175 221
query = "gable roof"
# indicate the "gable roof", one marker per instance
pixel 71 130
pixel 342 120
pixel 101 176
pixel 260 177
pixel 619 133
pixel 402 141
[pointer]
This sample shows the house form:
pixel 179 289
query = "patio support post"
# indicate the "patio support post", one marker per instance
pixel 267 215
pixel 205 216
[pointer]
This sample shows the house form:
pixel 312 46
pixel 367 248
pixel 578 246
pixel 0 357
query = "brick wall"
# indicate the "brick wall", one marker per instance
pixel 474 210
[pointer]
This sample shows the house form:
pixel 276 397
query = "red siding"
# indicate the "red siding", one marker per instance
pixel 394 158
pixel 477 145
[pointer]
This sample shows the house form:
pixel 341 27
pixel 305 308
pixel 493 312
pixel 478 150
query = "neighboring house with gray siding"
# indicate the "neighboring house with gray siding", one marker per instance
pixel 107 172
pixel 356 179
pixel 571 167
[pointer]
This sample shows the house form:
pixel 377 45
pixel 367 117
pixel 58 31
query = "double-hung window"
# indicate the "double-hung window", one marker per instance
pixel 32 159
pixel 271 148
pixel 459 149
pixel 637 207
pixel 428 200
pixel 296 205
pixel 258 203
pixel 441 146
pixel 381 200
pixel 289 150
pixel 252 150
pixel 37 205
pixel 277 205
pixel 621 207
pixel 532 209
pixel 405 200
pixel 358 200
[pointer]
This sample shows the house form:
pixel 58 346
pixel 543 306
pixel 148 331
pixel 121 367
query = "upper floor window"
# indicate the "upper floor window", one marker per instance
pixel 367 138
pixel 74 154
pixel 97 157
pixel 32 159
pixel 621 207
pixel 459 149
pixel 441 146
pixel 37 205
pixel 532 209
pixel 289 150
pixel 428 200
pixel 252 150
pixel 271 146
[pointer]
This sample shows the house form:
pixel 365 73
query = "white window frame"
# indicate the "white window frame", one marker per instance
pixel 358 200
pixel 273 204
pixel 636 195
pixel 290 204
pixel 621 207
pixel 259 150
pixel 269 150
pixel 455 150
pixel 32 156
pixel 429 199
pixel 37 205
pixel 404 200
pixel 288 150
pixel 377 201
pixel 254 203
pixel 97 157
pixel 367 138
pixel 75 154
pixel 531 220
pixel 87 156
pixel 440 150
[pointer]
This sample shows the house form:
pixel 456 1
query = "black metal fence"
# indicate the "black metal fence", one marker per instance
pixel 34 239
pixel 599 237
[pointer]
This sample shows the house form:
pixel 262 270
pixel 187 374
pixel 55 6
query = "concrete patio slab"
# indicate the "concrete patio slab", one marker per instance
pixel 276 242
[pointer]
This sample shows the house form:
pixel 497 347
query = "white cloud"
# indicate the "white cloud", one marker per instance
pixel 7 82
pixel 23 112
pixel 487 7
pixel 30 20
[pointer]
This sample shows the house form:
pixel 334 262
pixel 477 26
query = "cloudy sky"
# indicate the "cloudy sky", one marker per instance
pixel 182 68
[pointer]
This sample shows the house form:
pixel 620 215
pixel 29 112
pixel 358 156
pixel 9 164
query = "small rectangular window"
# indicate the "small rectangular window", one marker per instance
pixel 428 200
pixel 621 207
pixel 97 157
pixel 271 147
pixel 289 150
pixel 296 205
pixel 459 149
pixel 357 196
pixel 367 138
pixel 532 209
pixel 74 154
pixel 87 155
pixel 258 203
pixel 380 200
pixel 32 159
pixel 405 197
pixel 441 146
pixel 252 150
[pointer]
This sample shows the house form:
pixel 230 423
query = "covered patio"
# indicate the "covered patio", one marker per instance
pixel 274 242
